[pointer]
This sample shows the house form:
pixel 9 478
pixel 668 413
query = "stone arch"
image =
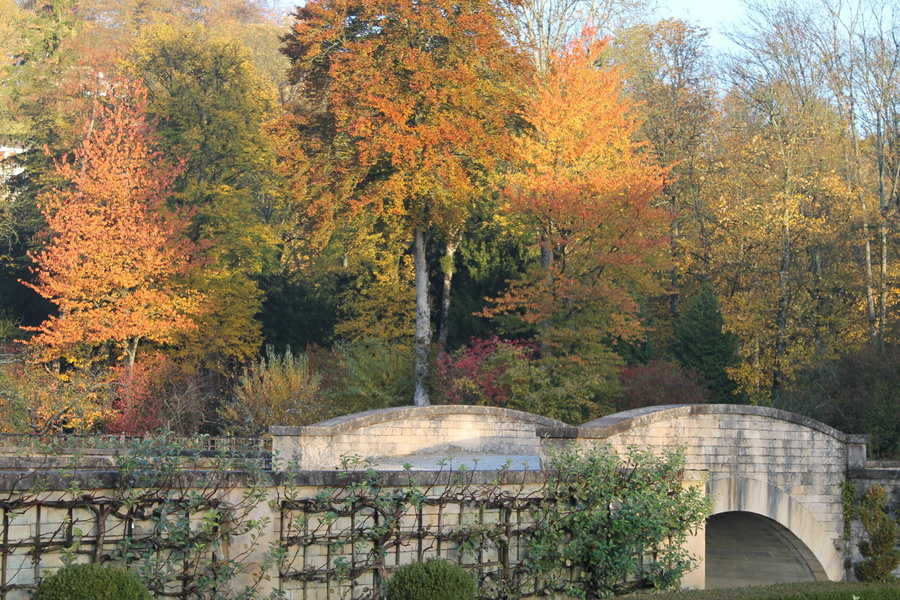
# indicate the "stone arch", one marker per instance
pixel 737 494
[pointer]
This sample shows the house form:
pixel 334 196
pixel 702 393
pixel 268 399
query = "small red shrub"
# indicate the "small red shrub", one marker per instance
pixel 660 382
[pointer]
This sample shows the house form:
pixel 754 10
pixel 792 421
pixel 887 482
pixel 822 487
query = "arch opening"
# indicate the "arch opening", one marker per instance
pixel 744 548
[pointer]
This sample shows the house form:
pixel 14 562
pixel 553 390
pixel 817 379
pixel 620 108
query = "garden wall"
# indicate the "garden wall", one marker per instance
pixel 310 535
pixel 206 517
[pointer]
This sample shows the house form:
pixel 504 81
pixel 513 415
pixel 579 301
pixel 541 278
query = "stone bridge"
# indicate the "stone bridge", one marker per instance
pixel 775 477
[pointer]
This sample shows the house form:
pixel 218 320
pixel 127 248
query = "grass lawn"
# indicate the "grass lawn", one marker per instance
pixel 795 591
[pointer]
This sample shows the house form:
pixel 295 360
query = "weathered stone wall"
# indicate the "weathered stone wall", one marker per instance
pixel 43 529
pixel 398 435
pixel 879 472
pixel 479 520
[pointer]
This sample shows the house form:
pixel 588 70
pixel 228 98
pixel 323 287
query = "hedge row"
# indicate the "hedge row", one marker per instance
pixel 794 591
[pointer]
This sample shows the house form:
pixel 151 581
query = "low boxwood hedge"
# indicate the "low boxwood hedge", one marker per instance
pixel 91 582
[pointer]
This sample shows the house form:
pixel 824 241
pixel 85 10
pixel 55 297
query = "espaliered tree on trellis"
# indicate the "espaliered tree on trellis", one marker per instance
pixel 115 251
pixel 406 106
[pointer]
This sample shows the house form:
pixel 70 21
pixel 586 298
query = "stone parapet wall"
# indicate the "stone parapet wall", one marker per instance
pixel 397 433
pixel 481 523
pixel 877 472
pixel 758 460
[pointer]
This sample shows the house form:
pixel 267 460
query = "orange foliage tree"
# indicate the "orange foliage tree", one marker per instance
pixel 586 189
pixel 406 111
pixel 115 251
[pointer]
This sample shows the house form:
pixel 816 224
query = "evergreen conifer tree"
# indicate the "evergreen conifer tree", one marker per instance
pixel 702 344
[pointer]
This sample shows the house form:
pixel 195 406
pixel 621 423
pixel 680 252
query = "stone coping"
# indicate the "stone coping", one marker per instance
pixel 621 422
pixel 882 475
pixel 347 423
pixel 883 465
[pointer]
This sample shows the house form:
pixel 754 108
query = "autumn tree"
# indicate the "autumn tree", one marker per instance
pixel 212 104
pixel 866 55
pixel 785 218
pixel 115 252
pixel 585 189
pixel 57 65
pixel 404 111
pixel 668 73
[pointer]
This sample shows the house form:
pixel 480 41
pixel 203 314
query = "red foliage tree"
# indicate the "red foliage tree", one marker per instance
pixel 660 382
pixel 115 250
pixel 484 373
pixel 158 393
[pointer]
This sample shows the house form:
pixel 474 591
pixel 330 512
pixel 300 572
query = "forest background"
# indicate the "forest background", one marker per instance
pixel 215 217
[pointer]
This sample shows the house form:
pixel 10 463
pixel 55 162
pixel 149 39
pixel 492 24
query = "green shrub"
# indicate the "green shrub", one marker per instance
pixel 373 373
pixel 434 579
pixel 91 582
pixel 880 550
pixel 606 514
pixel 279 390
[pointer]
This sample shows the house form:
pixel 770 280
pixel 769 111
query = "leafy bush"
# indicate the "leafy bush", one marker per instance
pixel 491 372
pixel 159 393
pixel 606 515
pixel 44 401
pixel 514 374
pixel 659 382
pixel 434 579
pixel 880 550
pixel 280 390
pixel 91 582
pixel 372 373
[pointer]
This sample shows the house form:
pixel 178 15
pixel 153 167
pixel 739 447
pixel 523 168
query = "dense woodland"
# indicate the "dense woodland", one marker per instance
pixel 225 217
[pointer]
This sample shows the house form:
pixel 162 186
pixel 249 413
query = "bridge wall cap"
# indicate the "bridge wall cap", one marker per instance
pixel 858 438
pixel 346 423
pixel 641 417
pixel 883 465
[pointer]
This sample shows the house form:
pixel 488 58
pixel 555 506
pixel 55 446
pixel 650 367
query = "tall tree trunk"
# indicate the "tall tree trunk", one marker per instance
pixel 449 256
pixel 131 355
pixel 882 223
pixel 783 302
pixel 423 319
pixel 882 310
pixel 546 252
pixel 675 279
pixel 870 279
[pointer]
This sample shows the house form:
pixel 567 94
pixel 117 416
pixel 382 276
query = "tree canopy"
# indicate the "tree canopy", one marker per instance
pixel 557 205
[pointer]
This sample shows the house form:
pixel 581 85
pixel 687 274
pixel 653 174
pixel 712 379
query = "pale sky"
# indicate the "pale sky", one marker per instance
pixel 711 14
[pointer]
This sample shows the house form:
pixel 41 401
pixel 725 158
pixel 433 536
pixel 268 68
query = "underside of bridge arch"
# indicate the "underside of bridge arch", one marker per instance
pixel 744 548
pixel 769 525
